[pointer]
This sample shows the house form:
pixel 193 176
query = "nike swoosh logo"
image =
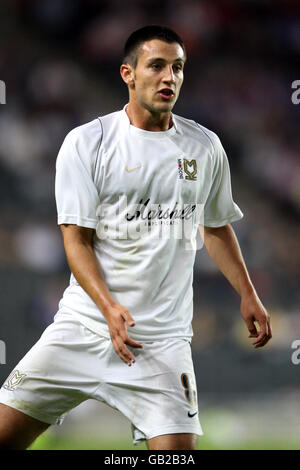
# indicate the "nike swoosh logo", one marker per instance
pixel 190 415
pixel 131 169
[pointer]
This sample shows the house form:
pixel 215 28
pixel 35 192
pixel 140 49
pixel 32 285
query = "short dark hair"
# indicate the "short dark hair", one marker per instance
pixel 147 33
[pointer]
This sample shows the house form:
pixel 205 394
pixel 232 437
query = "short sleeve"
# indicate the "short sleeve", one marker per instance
pixel 76 194
pixel 220 209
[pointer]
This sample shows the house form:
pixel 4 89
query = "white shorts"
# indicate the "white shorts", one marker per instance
pixel 70 364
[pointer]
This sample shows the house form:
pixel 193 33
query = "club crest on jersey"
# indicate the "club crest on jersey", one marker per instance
pixel 13 380
pixel 187 169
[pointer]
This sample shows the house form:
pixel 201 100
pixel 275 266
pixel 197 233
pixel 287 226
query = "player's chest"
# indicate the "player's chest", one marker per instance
pixel 159 170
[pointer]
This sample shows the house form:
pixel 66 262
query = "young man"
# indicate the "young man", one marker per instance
pixel 128 185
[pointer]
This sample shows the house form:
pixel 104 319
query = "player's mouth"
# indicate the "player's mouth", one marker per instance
pixel 166 93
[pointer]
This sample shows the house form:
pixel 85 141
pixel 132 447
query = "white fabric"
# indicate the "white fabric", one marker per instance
pixel 70 364
pixel 108 170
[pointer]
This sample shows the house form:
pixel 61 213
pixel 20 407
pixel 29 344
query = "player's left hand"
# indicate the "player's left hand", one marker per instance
pixel 253 311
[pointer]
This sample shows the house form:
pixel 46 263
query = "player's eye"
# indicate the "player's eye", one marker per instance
pixel 156 66
pixel 177 68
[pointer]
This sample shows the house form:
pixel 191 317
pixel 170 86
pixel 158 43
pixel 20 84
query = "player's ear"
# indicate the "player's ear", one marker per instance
pixel 127 73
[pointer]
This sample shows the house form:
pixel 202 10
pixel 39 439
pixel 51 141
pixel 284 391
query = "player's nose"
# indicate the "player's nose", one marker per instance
pixel 169 75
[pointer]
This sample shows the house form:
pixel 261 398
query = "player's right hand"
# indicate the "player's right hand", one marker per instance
pixel 117 318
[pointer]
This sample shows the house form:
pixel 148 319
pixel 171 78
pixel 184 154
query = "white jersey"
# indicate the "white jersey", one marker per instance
pixel 140 190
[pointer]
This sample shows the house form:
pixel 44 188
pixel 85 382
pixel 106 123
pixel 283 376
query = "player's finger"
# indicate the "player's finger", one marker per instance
pixel 251 328
pixel 253 335
pixel 128 318
pixel 263 334
pixel 262 342
pixel 261 338
pixel 132 343
pixel 269 327
pixel 123 352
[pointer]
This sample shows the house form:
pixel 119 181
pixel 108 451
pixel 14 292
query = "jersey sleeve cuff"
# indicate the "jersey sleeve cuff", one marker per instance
pixel 220 223
pixel 77 220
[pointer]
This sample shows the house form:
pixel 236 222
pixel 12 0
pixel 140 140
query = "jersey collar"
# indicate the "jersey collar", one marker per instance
pixel 150 134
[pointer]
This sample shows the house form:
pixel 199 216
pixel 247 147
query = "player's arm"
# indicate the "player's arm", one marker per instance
pixel 78 244
pixel 223 248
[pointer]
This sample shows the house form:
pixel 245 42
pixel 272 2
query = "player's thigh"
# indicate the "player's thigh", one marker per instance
pixel 184 441
pixel 57 374
pixel 17 430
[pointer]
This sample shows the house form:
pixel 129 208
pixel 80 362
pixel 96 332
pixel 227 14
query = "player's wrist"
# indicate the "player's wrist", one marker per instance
pixel 248 294
pixel 106 305
pixel 245 288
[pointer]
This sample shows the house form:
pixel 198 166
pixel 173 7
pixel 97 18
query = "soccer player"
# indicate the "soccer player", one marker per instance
pixel 132 189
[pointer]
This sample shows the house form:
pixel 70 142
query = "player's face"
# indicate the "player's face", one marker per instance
pixel 158 75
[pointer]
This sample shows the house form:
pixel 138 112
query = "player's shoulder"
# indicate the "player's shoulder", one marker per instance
pixel 192 129
pixel 94 128
pixel 84 134
pixel 99 129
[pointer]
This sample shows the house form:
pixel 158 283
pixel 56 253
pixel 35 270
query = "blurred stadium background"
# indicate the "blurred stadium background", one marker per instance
pixel 60 62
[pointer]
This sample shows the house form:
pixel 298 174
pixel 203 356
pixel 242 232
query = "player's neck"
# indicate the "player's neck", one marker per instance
pixel 144 119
